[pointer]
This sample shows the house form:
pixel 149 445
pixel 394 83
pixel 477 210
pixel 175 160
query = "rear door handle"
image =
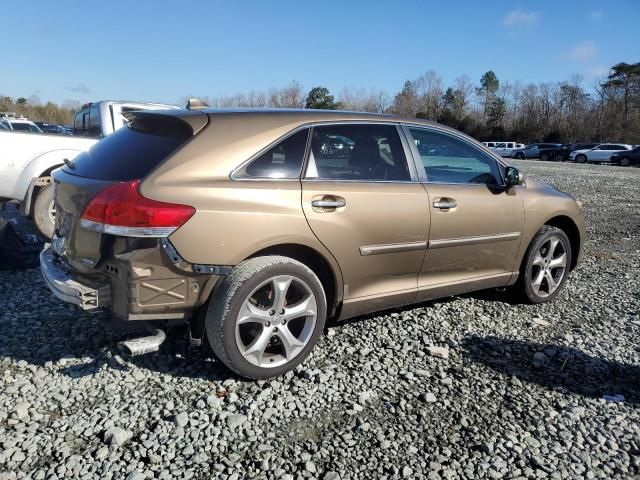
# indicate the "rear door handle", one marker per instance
pixel 335 202
pixel 444 203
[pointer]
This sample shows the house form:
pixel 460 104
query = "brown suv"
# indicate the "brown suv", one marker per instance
pixel 256 226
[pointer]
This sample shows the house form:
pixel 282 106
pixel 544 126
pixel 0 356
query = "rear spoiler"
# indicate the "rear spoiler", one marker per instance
pixel 193 120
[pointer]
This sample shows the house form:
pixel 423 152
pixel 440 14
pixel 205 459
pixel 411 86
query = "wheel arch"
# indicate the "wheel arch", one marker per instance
pixel 329 276
pixel 569 227
pixel 34 188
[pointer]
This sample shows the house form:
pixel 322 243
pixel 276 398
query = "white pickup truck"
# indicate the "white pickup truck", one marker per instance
pixel 27 159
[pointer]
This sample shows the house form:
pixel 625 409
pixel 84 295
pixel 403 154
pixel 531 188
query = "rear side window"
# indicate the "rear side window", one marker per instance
pixel 284 160
pixel 81 123
pixel 95 129
pixel 357 153
pixel 133 151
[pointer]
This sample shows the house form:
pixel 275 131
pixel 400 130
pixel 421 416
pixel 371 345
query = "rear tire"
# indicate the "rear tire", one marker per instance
pixel 581 159
pixel 519 156
pixel 545 267
pixel 544 157
pixel 559 157
pixel 266 316
pixel 44 211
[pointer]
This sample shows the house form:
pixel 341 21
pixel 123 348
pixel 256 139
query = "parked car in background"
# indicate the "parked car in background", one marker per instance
pixel 244 225
pixel 561 154
pixel 20 124
pixel 26 161
pixel 599 154
pixel 53 129
pixel 627 158
pixel 536 150
pixel 504 149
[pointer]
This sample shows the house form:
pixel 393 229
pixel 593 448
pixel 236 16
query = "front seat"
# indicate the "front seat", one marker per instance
pixel 365 161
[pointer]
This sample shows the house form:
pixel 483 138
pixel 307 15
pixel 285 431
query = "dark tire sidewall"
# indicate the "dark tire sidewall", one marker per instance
pixel 543 234
pixel 40 214
pixel 220 321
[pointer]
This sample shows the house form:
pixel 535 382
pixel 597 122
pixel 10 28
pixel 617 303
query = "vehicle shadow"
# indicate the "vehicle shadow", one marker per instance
pixel 556 367
pixel 79 344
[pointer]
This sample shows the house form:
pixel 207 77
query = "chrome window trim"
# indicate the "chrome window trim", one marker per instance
pixel 337 180
pixel 457 135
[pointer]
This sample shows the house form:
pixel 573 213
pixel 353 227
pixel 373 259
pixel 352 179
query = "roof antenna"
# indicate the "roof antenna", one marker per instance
pixel 196 104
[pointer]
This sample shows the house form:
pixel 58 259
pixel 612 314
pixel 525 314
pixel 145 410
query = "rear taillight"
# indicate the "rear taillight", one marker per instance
pixel 121 210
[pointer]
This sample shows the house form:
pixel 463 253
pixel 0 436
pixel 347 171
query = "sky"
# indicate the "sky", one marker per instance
pixel 165 50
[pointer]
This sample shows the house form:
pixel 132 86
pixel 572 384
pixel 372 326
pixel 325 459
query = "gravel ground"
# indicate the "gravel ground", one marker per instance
pixel 549 391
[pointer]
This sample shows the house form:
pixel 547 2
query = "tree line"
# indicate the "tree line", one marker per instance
pixel 490 110
pixel 33 109
pixel 563 111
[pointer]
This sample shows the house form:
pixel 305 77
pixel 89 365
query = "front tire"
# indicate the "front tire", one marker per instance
pixel 545 266
pixel 44 213
pixel 544 157
pixel 581 159
pixel 519 156
pixel 266 316
pixel 624 162
pixel 559 157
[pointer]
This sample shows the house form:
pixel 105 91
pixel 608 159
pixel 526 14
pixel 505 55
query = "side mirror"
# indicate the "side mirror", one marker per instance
pixel 513 177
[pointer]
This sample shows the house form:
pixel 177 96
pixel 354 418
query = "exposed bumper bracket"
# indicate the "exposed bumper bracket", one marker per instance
pixel 69 290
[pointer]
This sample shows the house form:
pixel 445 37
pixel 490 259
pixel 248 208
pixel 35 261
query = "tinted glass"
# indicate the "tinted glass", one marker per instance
pixel 23 127
pixel 78 121
pixel 94 121
pixel 447 159
pixel 282 161
pixel 132 151
pixel 357 152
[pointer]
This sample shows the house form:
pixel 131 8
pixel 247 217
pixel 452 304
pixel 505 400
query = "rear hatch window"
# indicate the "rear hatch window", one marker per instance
pixel 134 150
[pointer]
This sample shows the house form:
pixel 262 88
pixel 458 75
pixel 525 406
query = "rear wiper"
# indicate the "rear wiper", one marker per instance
pixel 69 164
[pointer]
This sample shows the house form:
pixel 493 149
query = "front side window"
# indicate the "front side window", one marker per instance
pixel 284 160
pixel 366 152
pixel 447 159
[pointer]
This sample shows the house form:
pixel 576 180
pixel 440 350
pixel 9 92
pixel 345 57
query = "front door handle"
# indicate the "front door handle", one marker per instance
pixel 329 202
pixel 444 203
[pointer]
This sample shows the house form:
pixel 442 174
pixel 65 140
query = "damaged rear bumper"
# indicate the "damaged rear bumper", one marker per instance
pixel 69 290
pixel 134 282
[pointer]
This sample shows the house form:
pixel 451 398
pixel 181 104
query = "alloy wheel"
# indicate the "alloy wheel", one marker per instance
pixel 276 321
pixel 548 267
pixel 51 211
